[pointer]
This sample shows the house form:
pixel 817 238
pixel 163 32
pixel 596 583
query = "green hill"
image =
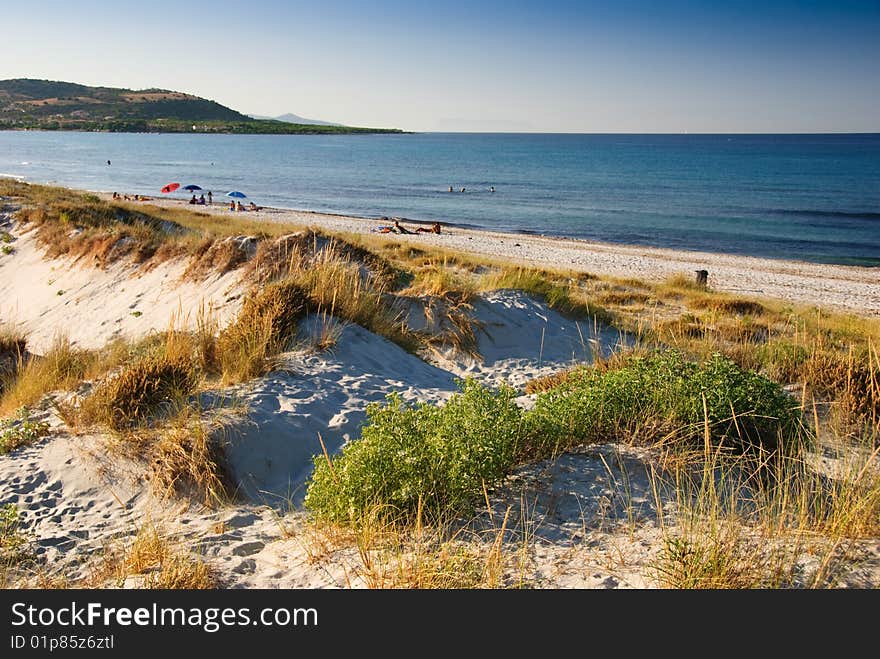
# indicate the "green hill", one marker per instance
pixel 26 103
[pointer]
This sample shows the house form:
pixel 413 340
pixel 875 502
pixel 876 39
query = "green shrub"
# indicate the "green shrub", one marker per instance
pixel 662 396
pixel 20 431
pixel 436 456
pixel 13 542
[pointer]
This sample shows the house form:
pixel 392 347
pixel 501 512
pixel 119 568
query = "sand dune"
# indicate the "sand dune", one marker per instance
pixel 91 306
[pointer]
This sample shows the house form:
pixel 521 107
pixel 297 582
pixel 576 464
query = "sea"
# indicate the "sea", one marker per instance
pixel 806 197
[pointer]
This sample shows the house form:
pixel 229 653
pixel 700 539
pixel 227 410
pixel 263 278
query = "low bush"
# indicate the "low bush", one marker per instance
pixel 665 396
pixel 429 459
pixel 20 431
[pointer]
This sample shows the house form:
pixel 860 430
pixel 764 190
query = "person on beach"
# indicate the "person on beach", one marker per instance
pixel 210 197
pixel 435 228
pixel 239 207
pixel 193 200
pixel 253 207
pixel 400 229
pixel 232 205
pixel 202 200
pixel 450 188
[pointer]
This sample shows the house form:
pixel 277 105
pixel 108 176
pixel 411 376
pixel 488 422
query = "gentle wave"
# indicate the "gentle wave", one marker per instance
pixel 856 215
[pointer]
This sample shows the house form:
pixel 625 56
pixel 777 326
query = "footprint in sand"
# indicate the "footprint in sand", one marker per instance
pixel 248 548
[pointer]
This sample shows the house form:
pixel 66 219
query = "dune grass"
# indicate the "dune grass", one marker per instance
pixel 265 326
pixel 140 391
pixel 63 367
pixel 151 560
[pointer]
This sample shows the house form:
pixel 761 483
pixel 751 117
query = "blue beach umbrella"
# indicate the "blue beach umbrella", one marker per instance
pixel 237 194
pixel 192 188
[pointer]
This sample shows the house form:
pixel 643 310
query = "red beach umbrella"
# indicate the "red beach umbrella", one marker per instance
pixel 170 187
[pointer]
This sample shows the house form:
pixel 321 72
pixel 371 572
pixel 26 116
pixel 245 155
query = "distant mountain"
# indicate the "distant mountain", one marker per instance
pixel 26 103
pixel 291 118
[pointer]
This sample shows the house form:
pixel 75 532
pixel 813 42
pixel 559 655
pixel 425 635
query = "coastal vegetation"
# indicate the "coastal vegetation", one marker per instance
pixel 29 104
pixel 734 401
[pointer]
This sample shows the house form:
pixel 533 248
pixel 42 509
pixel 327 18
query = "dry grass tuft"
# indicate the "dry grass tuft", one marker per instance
pixel 344 288
pixel 62 367
pixel 155 562
pixel 548 382
pixel 219 257
pixel 143 389
pixel 13 351
pixel 264 327
pixel 455 326
pixel 720 303
pixel 186 459
pixel 274 258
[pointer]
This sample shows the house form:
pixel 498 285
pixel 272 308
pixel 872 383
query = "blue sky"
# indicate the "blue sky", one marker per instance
pixel 625 66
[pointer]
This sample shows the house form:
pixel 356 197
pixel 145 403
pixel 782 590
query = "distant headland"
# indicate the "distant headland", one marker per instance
pixel 30 104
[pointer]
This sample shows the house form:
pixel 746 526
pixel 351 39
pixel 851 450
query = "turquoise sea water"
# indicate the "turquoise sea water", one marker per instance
pixel 808 197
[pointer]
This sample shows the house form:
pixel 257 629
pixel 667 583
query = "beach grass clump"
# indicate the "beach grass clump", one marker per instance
pixel 186 460
pixel 146 388
pixel 666 397
pixel 152 560
pixel 456 325
pixel 214 256
pixel 728 305
pixel 440 279
pixel 679 283
pixel 849 381
pixel 422 459
pixel 723 558
pixel 61 368
pixel 13 348
pixel 343 287
pixel 265 326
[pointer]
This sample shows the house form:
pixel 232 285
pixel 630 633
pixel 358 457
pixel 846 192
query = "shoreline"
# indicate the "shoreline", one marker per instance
pixel 850 288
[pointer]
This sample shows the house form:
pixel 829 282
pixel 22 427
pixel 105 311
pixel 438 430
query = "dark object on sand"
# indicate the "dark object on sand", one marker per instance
pixel 702 278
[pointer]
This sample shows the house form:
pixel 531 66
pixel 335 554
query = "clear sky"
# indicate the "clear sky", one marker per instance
pixel 478 65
